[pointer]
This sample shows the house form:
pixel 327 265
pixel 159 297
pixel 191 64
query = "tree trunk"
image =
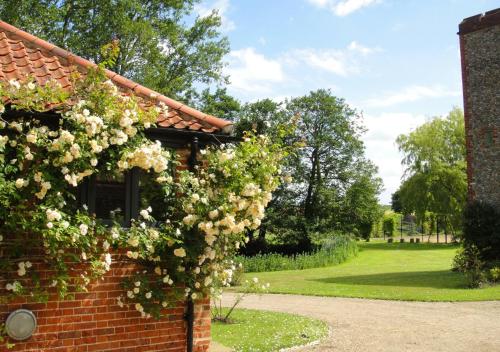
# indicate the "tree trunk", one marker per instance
pixel 308 204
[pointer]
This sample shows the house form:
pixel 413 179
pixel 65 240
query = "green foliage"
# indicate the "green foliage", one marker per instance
pixel 263 117
pixel 334 251
pixel 494 274
pixel 260 331
pixel 333 187
pixel 439 141
pixel 468 262
pixel 332 146
pixel 482 230
pixel 360 209
pixel 388 226
pixel 253 286
pixel 396 204
pixel 41 164
pixel 160 44
pixel 102 132
pixel 434 156
pixel 219 104
pixel 480 255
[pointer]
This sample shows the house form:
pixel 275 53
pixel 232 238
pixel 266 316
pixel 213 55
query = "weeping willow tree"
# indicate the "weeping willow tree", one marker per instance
pixel 435 177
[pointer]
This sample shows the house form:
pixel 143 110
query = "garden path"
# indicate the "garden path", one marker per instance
pixel 391 326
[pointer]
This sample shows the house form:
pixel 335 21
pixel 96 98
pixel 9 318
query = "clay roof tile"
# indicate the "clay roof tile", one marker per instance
pixel 23 54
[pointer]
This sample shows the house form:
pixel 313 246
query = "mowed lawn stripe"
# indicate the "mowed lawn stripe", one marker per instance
pixel 415 272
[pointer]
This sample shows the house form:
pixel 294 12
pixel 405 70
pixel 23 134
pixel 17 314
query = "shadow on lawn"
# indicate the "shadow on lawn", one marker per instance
pixel 435 279
pixel 405 246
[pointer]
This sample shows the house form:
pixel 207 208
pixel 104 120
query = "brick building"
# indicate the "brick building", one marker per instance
pixel 94 321
pixel 480 53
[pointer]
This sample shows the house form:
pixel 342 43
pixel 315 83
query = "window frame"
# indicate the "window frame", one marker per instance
pixel 169 138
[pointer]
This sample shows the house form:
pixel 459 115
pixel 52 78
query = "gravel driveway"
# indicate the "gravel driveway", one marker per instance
pixel 375 325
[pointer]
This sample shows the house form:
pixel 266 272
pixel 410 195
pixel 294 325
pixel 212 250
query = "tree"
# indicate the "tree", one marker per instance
pixel 334 187
pixel 157 46
pixel 389 225
pixel 435 176
pixel 396 204
pixel 331 132
pixel 219 103
pixel 360 208
pixel 263 116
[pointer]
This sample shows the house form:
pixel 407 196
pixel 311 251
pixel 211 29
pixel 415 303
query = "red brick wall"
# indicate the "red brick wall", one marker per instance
pixel 93 321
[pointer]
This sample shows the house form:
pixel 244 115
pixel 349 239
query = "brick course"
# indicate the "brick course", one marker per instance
pixel 93 321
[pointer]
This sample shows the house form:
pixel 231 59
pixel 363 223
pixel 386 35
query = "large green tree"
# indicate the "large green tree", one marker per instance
pixel 331 132
pixel 334 187
pixel 435 178
pixel 161 44
pixel 360 207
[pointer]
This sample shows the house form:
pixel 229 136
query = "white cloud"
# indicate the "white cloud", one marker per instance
pixel 253 75
pixel 342 62
pixel 411 94
pixel 343 7
pixel 221 6
pixel 363 50
pixel 250 71
pixel 333 61
pixel 383 130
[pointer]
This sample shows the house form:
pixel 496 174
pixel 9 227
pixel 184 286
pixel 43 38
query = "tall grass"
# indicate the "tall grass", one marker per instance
pixel 333 251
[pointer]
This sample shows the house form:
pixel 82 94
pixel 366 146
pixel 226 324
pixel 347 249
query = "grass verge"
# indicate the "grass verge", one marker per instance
pixel 263 331
pixel 396 271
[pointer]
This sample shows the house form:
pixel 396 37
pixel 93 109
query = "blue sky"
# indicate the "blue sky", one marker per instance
pixel 396 61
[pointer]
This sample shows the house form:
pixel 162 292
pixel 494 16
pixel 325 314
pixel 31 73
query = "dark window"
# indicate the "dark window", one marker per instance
pixel 120 196
pixel 152 194
pixel 110 196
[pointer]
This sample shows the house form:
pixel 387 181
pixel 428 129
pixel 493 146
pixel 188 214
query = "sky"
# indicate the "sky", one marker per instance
pixel 396 61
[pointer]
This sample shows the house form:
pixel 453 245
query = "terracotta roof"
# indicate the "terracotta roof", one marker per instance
pixel 23 55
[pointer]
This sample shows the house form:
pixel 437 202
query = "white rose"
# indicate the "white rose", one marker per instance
pixel 180 252
pixel 83 229
pixel 105 245
pixel 19 183
pixel 213 214
pixel 31 138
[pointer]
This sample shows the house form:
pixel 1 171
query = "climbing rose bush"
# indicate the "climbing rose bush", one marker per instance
pixel 99 129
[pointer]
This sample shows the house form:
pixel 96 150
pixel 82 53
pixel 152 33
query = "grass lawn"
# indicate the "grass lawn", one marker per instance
pixel 255 331
pixel 397 271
